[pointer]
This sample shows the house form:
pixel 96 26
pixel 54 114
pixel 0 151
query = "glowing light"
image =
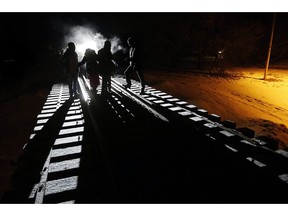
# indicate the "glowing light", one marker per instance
pixel 221 54
pixel 86 37
pixel 83 90
pixel 87 44
pixel 87 83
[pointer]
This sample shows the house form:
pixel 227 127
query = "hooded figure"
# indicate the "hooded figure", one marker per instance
pixel 92 68
pixel 106 64
pixel 70 60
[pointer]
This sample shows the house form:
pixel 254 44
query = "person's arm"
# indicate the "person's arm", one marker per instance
pixel 133 58
pixel 128 59
pixel 113 59
pixel 64 57
pixel 83 61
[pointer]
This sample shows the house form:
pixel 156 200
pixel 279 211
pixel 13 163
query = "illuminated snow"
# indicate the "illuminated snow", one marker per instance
pixel 66 151
pixel 61 185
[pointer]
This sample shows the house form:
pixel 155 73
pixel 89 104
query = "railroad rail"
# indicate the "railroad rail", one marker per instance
pixel 122 148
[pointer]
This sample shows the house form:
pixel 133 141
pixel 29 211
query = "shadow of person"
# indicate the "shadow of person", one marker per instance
pixel 33 157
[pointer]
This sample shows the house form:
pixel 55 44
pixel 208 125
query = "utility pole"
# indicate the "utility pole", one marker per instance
pixel 270 46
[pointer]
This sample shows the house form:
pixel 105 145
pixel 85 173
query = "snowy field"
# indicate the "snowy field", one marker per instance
pixel 243 97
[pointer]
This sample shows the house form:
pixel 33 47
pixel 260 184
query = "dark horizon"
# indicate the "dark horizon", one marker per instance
pixel 166 36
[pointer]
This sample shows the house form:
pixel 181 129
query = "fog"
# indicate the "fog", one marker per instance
pixel 87 37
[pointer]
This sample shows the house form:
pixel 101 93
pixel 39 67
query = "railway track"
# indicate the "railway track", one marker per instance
pixel 151 148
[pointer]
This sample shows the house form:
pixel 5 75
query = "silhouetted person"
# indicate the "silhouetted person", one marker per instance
pixel 70 59
pixel 92 68
pixel 134 64
pixel 107 64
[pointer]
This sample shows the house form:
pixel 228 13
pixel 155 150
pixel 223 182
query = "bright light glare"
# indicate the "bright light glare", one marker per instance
pixel 82 47
pixel 83 90
pixel 86 37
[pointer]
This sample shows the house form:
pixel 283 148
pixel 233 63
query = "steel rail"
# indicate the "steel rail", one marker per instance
pixel 252 146
pixel 86 98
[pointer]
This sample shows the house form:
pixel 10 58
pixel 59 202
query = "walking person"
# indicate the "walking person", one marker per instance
pixel 70 60
pixel 134 64
pixel 92 68
pixel 107 64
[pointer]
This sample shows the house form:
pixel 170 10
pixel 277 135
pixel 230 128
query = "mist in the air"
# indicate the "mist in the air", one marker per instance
pixel 87 37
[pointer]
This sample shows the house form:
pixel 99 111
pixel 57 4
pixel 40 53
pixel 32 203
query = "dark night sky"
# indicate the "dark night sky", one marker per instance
pixel 19 28
pixel 43 26
pixel 31 31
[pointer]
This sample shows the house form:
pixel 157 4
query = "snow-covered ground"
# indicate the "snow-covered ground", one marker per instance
pixel 243 97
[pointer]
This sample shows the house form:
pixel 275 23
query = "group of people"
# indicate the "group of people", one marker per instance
pixel 101 64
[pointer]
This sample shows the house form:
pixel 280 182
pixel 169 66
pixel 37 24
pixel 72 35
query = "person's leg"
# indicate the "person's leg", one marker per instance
pixel 109 83
pixel 127 74
pixel 104 84
pixel 70 84
pixel 90 78
pixel 141 78
pixel 94 80
pixel 97 81
pixel 142 81
pixel 75 84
